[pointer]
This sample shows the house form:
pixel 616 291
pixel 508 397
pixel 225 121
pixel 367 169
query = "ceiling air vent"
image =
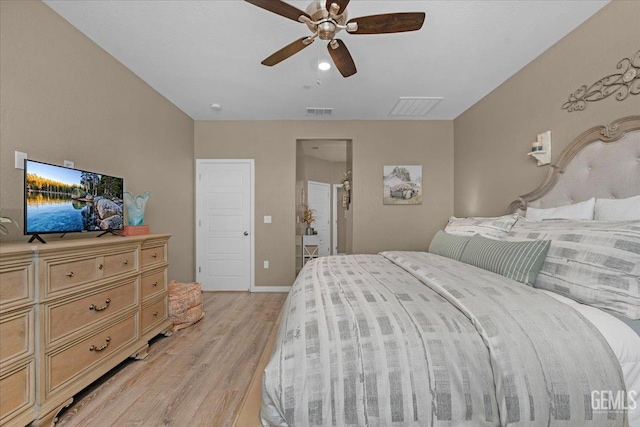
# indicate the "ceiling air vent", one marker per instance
pixel 319 112
pixel 414 106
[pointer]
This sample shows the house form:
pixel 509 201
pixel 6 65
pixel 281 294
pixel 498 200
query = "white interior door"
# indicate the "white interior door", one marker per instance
pixel 334 224
pixel 320 201
pixel 224 224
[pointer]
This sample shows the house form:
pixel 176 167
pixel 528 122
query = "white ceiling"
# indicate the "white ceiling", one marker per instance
pixel 196 53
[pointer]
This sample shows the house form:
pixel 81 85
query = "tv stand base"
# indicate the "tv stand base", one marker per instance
pixel 38 238
pixel 109 232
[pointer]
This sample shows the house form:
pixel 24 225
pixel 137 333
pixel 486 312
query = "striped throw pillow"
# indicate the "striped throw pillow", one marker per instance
pixel 448 245
pixel 519 261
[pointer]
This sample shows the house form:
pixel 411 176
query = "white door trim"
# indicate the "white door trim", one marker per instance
pixel 252 239
pixel 334 223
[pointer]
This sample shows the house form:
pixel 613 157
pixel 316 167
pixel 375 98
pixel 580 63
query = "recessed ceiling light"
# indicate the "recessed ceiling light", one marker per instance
pixel 324 66
pixel 216 107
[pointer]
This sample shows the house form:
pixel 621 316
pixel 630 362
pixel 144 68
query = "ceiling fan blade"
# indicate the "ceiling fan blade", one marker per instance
pixel 286 52
pixel 342 5
pixel 342 58
pixel 388 23
pixel 279 7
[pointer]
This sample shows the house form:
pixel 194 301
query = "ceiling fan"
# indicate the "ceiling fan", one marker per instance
pixel 325 18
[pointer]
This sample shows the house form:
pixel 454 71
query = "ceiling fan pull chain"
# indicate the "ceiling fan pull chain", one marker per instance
pixel 318 82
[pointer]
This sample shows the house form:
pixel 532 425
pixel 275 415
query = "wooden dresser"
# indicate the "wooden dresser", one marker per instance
pixel 69 312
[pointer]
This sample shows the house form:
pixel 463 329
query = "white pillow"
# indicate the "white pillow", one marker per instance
pixel 577 211
pixel 618 209
pixel 493 228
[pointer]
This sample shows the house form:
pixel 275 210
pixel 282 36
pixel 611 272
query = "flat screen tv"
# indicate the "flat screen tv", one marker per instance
pixel 64 200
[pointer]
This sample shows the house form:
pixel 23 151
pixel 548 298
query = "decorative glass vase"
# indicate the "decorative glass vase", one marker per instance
pixel 135 207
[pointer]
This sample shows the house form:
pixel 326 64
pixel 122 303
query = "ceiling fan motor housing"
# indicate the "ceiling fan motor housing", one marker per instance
pixel 327 27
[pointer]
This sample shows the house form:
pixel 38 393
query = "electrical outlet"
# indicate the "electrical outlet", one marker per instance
pixel 267 219
pixel 20 158
pixel 69 164
pixel 266 264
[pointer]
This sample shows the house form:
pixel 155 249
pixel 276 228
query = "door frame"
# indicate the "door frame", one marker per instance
pixel 334 223
pixel 252 240
pixel 328 185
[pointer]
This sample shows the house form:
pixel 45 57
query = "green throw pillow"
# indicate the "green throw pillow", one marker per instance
pixel 449 245
pixel 519 261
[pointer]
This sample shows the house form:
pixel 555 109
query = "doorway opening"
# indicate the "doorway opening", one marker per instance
pixel 320 167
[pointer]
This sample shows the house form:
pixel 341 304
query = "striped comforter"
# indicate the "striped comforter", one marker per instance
pixel 414 339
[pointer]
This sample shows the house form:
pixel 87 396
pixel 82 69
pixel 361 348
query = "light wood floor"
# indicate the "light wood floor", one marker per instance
pixel 196 377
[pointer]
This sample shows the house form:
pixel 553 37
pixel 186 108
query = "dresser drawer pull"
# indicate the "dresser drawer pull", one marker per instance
pixel 102 347
pixel 154 284
pixel 100 267
pixel 70 274
pixel 104 307
pixel 155 313
pixel 125 262
pixel 154 255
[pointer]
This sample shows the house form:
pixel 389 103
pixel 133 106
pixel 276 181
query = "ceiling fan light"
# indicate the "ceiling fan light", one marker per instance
pixel 326 30
pixel 324 66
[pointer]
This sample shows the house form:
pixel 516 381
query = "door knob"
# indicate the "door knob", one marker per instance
pixel 246 233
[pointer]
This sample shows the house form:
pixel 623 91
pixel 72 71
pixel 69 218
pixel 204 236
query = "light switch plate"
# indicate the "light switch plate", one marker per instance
pixel 69 164
pixel 266 264
pixel 20 157
pixel 267 219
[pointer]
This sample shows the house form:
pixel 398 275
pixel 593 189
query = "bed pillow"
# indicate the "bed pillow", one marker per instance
pixel 493 228
pixel 519 261
pixel 448 245
pixel 582 210
pixel 592 262
pixel 618 209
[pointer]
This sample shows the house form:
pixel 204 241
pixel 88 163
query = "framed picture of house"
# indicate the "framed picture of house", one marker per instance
pixel 402 185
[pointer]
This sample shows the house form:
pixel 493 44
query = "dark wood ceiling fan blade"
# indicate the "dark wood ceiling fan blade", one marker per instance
pixel 389 23
pixel 342 58
pixel 342 4
pixel 286 52
pixel 279 7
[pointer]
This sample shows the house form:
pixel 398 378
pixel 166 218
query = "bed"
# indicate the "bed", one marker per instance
pixel 415 338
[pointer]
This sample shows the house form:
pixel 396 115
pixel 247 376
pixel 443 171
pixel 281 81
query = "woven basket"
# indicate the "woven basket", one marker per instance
pixel 185 304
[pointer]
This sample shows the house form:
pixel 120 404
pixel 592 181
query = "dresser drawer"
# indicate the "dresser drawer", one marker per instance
pixel 72 315
pixel 88 353
pixel 120 263
pixel 154 314
pixel 154 283
pixel 153 255
pixel 16 283
pixel 66 274
pixel 16 335
pixel 18 390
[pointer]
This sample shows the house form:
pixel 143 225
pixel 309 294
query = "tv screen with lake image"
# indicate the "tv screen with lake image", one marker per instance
pixel 62 200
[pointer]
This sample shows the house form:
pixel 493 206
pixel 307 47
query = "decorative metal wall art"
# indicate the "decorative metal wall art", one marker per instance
pixel 621 85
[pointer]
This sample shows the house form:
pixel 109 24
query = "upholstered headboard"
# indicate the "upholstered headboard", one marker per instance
pixel 603 162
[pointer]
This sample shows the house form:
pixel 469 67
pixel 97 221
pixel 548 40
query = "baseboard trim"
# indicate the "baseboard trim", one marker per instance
pixel 271 289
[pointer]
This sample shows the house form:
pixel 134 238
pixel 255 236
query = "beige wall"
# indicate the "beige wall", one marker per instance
pixel 375 227
pixel 493 137
pixel 63 97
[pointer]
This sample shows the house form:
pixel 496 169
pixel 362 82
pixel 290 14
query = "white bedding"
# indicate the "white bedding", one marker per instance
pixel 623 341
